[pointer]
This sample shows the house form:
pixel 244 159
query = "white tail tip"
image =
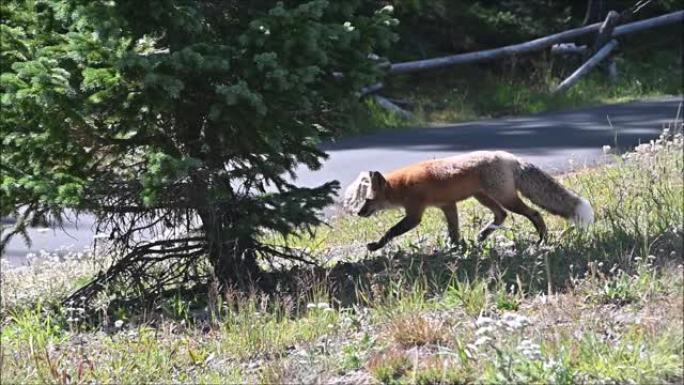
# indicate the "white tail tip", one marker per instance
pixel 584 214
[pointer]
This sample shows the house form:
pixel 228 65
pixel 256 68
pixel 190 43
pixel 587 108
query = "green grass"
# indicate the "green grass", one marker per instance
pixel 417 312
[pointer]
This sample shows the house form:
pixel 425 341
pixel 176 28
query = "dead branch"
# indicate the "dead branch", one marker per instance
pixel 605 33
pixel 586 67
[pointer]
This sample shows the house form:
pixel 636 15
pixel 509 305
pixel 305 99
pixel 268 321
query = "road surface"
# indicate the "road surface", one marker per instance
pixel 550 140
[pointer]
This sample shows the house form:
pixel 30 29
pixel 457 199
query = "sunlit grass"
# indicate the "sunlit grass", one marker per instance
pixel 419 312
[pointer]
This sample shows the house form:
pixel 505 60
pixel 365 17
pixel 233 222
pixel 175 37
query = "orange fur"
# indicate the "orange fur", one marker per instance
pixel 492 177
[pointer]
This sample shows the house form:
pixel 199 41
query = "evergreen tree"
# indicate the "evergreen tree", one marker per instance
pixel 178 114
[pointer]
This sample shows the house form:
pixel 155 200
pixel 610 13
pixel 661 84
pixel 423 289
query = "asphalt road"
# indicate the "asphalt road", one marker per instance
pixel 550 140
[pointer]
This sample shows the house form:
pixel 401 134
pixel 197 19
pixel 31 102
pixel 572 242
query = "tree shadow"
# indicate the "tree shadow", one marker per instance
pixel 519 265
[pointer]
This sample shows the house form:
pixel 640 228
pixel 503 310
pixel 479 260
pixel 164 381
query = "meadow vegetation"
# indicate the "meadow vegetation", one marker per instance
pixel 124 111
pixel 601 306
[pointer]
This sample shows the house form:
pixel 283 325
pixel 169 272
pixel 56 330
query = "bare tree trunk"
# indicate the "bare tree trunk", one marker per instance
pixel 230 250
pixel 232 257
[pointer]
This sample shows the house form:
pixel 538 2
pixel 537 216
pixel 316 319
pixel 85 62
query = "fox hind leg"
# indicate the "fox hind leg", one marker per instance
pixel 499 215
pixel 516 205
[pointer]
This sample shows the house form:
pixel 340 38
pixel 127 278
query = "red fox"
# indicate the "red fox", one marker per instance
pixel 491 177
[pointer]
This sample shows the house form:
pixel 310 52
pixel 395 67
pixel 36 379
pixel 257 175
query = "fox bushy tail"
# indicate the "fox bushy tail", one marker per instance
pixel 545 192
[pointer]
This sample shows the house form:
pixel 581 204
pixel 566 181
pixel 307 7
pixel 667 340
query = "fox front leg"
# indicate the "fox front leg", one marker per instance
pixel 407 223
pixel 451 215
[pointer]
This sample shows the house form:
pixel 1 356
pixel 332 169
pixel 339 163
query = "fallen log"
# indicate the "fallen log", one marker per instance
pixel 533 45
pixel 371 89
pixel 391 107
pixel 586 67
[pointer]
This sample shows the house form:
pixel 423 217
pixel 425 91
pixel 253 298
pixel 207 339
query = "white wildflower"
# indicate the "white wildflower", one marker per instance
pixel 515 321
pixel 348 26
pixel 118 324
pixel 529 349
pixel 550 364
pixel 606 149
pixel 484 321
pixel 484 330
pixel 482 340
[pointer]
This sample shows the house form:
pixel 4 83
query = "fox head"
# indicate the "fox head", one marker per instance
pixel 366 194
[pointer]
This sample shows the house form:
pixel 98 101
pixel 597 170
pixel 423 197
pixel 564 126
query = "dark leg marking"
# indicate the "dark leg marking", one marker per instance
pixel 519 207
pixel 410 221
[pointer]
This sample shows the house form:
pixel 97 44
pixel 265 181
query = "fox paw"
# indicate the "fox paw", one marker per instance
pixel 374 246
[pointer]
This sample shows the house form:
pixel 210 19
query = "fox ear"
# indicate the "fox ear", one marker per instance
pixel 377 182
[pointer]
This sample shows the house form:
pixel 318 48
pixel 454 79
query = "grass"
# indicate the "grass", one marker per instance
pixel 417 313
pixel 471 92
pixel 415 330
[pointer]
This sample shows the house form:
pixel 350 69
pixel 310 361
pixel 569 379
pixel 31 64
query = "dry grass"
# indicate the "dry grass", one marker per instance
pixel 417 330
